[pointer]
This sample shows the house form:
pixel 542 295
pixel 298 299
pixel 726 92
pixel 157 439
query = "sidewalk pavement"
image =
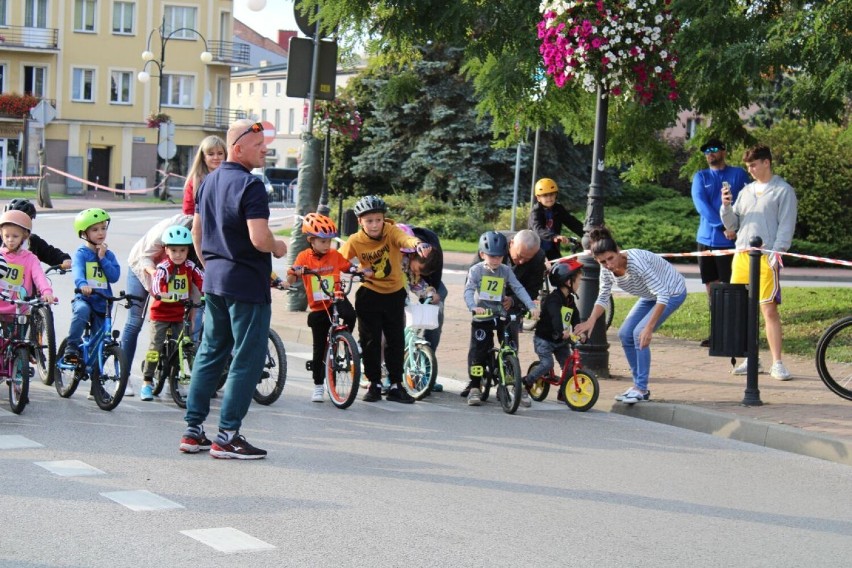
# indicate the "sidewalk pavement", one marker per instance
pixel 689 389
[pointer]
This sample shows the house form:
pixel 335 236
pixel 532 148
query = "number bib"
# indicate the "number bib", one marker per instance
pixel 13 278
pixel 316 288
pixel 491 288
pixel 95 276
pixel 178 288
pixel 566 318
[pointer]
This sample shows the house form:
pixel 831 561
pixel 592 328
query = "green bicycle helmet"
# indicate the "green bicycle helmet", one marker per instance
pixel 177 236
pixel 88 217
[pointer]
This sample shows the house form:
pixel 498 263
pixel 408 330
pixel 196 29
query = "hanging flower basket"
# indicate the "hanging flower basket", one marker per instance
pixel 156 118
pixel 624 45
pixel 340 117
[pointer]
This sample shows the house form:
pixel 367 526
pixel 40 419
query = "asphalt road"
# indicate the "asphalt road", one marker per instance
pixel 432 484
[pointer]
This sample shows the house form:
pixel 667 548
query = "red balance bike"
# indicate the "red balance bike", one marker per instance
pixel 578 387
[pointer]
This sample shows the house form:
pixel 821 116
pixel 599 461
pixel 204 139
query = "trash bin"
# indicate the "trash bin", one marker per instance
pixel 728 320
pixel 350 223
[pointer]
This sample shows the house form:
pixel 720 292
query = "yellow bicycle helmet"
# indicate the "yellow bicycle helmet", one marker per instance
pixel 545 186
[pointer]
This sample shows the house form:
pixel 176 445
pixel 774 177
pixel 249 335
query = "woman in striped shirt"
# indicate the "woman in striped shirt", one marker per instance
pixel 661 290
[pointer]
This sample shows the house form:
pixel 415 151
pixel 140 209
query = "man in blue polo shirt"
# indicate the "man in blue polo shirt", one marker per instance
pixel 707 197
pixel 231 232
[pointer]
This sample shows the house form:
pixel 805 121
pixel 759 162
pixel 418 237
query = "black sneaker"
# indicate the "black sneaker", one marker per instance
pixel 705 342
pixel 373 394
pixel 71 357
pixel 466 390
pixel 238 448
pixel 398 394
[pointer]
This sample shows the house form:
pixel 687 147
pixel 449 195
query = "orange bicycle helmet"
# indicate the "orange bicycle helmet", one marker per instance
pixel 317 225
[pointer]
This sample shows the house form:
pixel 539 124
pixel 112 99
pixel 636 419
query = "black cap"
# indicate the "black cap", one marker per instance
pixel 713 143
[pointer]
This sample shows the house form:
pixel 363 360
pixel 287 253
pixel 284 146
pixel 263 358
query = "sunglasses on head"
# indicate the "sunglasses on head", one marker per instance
pixel 711 150
pixel 256 127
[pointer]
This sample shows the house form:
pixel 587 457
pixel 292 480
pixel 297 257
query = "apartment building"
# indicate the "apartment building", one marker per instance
pixel 85 59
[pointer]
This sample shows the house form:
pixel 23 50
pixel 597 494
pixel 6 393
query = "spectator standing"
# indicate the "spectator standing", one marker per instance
pixel 211 153
pixel 766 208
pixel 231 233
pixel 707 197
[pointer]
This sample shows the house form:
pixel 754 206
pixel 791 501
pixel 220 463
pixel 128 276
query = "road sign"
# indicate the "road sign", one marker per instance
pixel 167 149
pixel 300 64
pixel 43 112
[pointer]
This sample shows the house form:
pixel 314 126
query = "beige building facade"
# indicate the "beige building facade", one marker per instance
pixel 84 58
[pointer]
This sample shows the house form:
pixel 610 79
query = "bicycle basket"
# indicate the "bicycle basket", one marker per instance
pixel 423 316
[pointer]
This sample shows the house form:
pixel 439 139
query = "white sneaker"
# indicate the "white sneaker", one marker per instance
pixel 319 393
pixel 526 402
pixel 742 368
pixel 474 397
pixel 128 391
pixel 779 372
pixel 633 396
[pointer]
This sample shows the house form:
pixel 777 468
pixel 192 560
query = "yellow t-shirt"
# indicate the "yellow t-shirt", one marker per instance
pixel 382 256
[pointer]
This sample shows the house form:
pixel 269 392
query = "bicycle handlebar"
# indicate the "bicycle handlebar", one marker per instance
pixel 187 303
pixel 357 274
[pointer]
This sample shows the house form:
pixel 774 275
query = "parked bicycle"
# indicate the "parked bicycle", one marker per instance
pixel 342 359
pixel 575 247
pixel 16 348
pixel 419 365
pixel 43 335
pixel 176 355
pixel 834 357
pixel 578 387
pixel 503 368
pixel 101 360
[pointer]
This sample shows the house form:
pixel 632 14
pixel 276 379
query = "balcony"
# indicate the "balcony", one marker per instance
pixel 221 118
pixel 229 52
pixel 29 39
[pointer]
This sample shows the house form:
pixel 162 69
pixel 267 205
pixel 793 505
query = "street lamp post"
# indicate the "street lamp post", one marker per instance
pixel 144 76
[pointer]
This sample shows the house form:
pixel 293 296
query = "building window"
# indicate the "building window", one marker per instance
pixel 239 90
pixel 263 115
pixel 35 14
pixel 2 73
pixel 178 90
pixel 264 89
pixel 178 17
pixel 278 89
pixel 277 119
pixel 122 18
pixel 119 89
pixel 82 85
pixel 251 88
pixel 3 21
pixel 291 119
pixel 84 15
pixel 692 125
pixel 35 81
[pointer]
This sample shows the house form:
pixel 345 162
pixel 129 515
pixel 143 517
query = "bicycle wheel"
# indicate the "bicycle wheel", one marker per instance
pixel 610 312
pixel 180 372
pixel 834 358
pixel 274 374
pixel 342 369
pixel 65 377
pixel 108 387
pixel 511 383
pixel 43 336
pixel 420 369
pixel 19 381
pixel 161 375
pixel 485 383
pixel 540 388
pixel 584 395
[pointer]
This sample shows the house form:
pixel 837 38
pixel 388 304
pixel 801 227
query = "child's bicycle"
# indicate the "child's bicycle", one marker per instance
pixel 503 368
pixel 342 359
pixel 419 365
pixel 175 357
pixel 101 360
pixel 43 335
pixel 272 378
pixel 578 387
pixel 575 247
pixel 834 357
pixel 16 348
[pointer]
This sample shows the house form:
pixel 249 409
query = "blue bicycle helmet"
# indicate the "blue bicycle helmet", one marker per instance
pixel 493 243
pixel 177 236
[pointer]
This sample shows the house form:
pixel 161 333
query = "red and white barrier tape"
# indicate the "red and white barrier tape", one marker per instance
pixel 112 189
pixel 726 252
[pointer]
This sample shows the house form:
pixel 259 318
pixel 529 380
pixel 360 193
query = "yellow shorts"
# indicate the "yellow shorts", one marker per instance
pixel 770 278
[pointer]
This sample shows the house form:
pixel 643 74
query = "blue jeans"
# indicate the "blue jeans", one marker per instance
pixel 81 314
pixel 546 350
pixel 640 359
pixel 229 327
pixel 135 317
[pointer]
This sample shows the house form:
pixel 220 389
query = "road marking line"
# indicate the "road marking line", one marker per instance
pixel 15 442
pixel 70 468
pixel 228 540
pixel 300 354
pixel 142 500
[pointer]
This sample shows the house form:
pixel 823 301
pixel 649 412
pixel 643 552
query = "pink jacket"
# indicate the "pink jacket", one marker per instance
pixel 21 268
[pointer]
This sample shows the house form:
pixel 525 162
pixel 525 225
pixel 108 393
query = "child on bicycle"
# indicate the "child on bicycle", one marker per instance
pixel 559 315
pixel 484 291
pixel 380 301
pixel 94 268
pixel 547 218
pixel 321 258
pixel 19 268
pixel 46 253
pixel 172 282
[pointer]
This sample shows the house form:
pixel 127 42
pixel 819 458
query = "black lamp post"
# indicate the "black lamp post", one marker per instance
pixel 150 58
pixel 596 350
